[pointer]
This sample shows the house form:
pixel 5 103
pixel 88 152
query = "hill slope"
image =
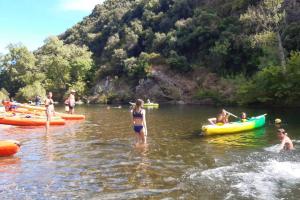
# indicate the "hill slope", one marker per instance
pixel 140 46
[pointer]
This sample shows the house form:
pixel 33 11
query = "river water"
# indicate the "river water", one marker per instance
pixel 96 158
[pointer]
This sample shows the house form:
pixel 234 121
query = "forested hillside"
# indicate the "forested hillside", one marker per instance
pixel 197 51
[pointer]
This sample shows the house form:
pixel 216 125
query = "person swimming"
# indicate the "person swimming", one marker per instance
pixel 278 123
pixel 139 122
pixel 286 142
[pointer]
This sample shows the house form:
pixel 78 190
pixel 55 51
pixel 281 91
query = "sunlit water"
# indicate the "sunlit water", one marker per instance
pixel 96 158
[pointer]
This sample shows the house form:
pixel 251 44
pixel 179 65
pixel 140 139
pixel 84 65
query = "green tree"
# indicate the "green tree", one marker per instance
pixel 30 91
pixel 4 95
pixel 266 19
pixel 19 69
pixel 64 65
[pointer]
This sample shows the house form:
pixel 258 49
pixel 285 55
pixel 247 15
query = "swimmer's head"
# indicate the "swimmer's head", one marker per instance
pixel 281 133
pixel 277 121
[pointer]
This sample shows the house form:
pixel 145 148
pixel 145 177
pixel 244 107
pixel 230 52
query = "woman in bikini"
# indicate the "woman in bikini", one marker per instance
pixel 49 104
pixel 139 122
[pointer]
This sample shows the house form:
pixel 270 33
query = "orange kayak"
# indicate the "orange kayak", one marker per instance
pixel 23 121
pixel 9 147
pixel 39 108
pixel 65 116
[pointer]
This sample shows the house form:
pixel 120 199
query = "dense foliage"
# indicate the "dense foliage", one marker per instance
pixel 252 39
pixel 54 67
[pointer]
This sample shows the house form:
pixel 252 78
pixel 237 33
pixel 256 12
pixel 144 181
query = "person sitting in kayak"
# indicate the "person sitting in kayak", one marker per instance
pixel 244 117
pixel 222 118
pixel 286 142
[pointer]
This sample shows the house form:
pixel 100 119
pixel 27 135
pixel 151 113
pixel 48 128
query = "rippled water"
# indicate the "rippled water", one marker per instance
pixel 96 158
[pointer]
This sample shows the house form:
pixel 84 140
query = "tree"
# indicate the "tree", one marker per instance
pixel 266 17
pixel 19 68
pixel 64 65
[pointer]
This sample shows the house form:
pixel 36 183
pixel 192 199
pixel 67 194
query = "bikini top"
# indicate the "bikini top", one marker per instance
pixel 50 102
pixel 137 114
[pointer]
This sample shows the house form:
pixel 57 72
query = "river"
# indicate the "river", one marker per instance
pixel 96 158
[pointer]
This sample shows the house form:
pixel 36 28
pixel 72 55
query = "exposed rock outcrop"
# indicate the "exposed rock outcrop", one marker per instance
pixel 162 86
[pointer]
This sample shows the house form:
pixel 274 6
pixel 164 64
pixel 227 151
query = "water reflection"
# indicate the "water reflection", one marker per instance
pixel 252 138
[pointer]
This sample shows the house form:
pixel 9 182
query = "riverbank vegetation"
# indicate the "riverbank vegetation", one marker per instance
pixel 252 46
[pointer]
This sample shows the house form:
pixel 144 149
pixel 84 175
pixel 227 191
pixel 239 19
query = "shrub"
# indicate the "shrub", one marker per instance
pixel 4 95
pixel 30 91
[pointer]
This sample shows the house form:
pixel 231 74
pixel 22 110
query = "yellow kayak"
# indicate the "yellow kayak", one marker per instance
pixel 153 105
pixel 234 127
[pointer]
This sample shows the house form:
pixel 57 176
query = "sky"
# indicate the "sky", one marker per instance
pixel 30 22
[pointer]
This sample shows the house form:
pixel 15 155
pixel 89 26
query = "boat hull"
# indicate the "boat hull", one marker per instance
pixel 152 105
pixel 234 127
pixel 9 147
pixel 65 116
pixel 22 121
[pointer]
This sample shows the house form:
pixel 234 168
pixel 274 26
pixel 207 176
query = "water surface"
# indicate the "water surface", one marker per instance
pixel 96 158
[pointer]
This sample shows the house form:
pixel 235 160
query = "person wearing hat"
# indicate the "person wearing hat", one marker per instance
pixel 71 101
pixel 286 142
pixel 277 122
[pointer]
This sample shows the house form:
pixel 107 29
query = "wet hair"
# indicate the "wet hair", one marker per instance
pixel 281 130
pixel 138 104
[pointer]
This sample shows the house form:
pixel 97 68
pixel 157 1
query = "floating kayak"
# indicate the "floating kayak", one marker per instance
pixel 65 116
pixel 29 107
pixel 233 127
pixel 23 121
pixel 9 147
pixel 154 105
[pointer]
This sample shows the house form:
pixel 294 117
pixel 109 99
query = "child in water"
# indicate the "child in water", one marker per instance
pixel 286 142
pixel 139 122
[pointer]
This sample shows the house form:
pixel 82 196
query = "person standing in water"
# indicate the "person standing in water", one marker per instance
pixel 139 122
pixel 71 101
pixel 49 104
pixel 286 142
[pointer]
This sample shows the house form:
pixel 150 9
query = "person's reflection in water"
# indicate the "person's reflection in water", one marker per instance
pixel 49 144
pixel 140 175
